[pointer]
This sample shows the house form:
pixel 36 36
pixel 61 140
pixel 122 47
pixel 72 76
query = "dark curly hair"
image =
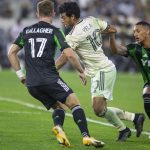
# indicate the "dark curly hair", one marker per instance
pixel 70 8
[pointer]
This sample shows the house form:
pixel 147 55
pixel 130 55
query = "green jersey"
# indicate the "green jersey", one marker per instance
pixel 141 56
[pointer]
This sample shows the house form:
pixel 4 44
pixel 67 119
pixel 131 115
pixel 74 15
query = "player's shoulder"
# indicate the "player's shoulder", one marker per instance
pixel 90 18
pixel 76 29
pixel 133 45
pixel 39 26
pixel 94 18
pixel 97 21
pixel 42 24
pixel 31 26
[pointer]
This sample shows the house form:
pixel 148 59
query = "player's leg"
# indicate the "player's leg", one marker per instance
pixel 65 95
pixel 146 97
pixel 136 118
pixel 124 115
pixel 80 119
pixel 41 93
pixel 101 110
pixel 58 114
pixel 111 117
pixel 58 117
pixel 101 89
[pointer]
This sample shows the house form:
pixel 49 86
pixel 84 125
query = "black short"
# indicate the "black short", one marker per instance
pixel 51 93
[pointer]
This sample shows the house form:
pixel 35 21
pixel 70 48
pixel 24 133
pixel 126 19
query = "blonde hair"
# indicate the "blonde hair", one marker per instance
pixel 45 8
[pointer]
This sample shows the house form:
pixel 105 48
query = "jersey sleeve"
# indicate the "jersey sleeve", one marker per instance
pixel 130 49
pixel 20 41
pixel 102 24
pixel 59 38
pixel 73 41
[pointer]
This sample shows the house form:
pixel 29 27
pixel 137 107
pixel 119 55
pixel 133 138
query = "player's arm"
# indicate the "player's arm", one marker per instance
pixel 61 61
pixel 59 39
pixel 110 29
pixel 68 54
pixel 105 28
pixel 116 48
pixel 71 56
pixel 14 61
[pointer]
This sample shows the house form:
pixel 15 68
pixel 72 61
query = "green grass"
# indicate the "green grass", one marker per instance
pixel 23 127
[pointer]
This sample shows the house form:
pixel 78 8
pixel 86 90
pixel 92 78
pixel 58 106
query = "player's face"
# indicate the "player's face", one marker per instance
pixel 67 21
pixel 140 33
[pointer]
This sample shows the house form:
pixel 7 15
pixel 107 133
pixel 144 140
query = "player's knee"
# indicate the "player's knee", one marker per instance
pixel 72 101
pixel 100 112
pixel 99 107
pixel 146 98
pixel 56 106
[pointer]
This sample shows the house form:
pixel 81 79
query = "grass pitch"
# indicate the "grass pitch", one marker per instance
pixel 25 124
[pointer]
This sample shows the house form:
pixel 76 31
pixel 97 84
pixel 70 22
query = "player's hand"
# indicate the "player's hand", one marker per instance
pixel 23 79
pixel 21 76
pixel 83 78
pixel 112 29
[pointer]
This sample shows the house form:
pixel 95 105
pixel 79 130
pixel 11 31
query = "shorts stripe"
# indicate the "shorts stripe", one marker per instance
pixel 63 85
pixel 102 78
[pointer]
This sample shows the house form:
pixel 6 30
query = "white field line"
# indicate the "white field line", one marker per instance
pixel 20 112
pixel 20 102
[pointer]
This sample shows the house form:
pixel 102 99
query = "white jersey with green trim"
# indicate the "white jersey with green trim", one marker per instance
pixel 85 39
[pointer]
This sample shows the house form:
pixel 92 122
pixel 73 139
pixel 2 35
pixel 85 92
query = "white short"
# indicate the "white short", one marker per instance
pixel 103 83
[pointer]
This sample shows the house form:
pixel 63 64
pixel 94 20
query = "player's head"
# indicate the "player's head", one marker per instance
pixel 69 13
pixel 45 8
pixel 141 31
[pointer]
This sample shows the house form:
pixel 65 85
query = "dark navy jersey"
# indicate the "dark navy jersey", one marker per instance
pixel 141 56
pixel 40 42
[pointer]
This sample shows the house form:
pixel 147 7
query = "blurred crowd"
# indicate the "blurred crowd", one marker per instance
pixel 15 14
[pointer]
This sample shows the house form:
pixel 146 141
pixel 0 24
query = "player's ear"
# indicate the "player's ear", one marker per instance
pixel 73 16
pixel 37 14
pixel 53 13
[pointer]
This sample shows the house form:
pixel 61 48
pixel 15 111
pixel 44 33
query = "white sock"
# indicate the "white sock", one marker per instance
pixel 124 115
pixel 114 119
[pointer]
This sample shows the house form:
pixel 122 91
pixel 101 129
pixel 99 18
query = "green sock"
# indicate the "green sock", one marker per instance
pixel 112 118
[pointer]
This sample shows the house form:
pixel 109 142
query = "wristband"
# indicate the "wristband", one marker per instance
pixel 20 74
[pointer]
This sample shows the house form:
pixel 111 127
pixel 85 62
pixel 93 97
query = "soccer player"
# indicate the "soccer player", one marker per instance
pixel 42 79
pixel 140 53
pixel 85 39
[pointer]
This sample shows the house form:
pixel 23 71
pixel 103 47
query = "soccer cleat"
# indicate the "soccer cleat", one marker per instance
pixel 90 141
pixel 124 134
pixel 139 124
pixel 61 136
